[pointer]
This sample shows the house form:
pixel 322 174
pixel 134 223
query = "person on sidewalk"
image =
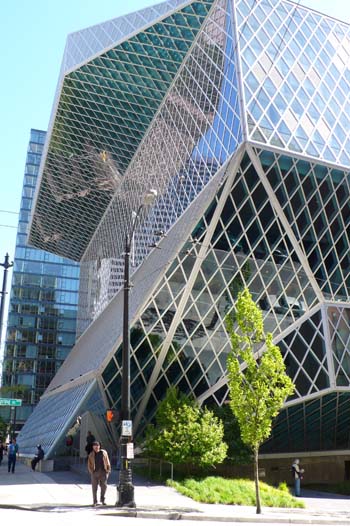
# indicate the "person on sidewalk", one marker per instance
pixel 39 456
pixel 12 453
pixel 297 476
pixel 99 468
pixel 90 439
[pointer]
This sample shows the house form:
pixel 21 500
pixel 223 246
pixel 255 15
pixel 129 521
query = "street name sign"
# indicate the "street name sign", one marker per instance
pixel 10 401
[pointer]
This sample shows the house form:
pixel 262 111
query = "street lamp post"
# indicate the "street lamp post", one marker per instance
pixel 125 488
pixel 6 264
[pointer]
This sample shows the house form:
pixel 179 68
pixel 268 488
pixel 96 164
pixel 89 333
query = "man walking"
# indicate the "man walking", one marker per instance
pixel 12 452
pixel 99 468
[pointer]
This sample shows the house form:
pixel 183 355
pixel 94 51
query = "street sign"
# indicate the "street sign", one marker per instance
pixel 129 450
pixel 10 401
pixel 126 428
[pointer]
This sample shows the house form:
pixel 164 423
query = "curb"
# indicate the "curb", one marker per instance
pixel 174 515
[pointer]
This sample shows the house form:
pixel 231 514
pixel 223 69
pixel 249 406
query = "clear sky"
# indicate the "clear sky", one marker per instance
pixel 32 40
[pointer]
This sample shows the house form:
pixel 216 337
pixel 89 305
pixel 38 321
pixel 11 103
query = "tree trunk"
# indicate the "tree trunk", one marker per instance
pixel 256 479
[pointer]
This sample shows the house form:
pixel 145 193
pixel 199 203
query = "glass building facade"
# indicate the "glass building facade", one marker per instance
pixel 237 113
pixel 43 302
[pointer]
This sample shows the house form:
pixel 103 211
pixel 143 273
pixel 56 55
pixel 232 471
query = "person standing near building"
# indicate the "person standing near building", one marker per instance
pixel 90 439
pixel 39 456
pixel 99 468
pixel 297 476
pixel 12 453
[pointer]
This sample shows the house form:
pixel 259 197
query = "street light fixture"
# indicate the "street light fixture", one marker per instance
pixel 125 488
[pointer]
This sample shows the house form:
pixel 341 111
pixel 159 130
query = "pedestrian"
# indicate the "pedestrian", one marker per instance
pixel 39 456
pixel 90 439
pixel 99 468
pixel 12 453
pixel 297 476
pixel 2 449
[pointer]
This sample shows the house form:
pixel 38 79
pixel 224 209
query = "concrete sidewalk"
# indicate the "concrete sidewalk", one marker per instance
pixel 70 491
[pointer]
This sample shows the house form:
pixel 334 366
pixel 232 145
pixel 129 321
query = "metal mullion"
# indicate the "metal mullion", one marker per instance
pixel 118 109
pixel 130 74
pixel 160 58
pixel 117 89
pixel 132 82
pixel 165 62
pixel 288 230
pixel 185 116
pixel 78 117
pixel 187 290
pixel 92 136
pixel 76 134
pixel 72 106
pixel 115 92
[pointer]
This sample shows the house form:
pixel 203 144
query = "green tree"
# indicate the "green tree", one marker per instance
pixel 185 433
pixel 238 452
pixel 3 429
pixel 259 388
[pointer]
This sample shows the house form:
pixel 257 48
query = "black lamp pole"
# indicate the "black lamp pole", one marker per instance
pixel 6 264
pixel 125 488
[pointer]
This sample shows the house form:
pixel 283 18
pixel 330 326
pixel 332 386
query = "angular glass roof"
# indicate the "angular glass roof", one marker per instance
pixel 104 110
pixel 83 45
pixel 295 64
pixel 294 95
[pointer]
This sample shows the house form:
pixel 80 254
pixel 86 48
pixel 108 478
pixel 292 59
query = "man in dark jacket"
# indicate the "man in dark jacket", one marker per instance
pixel 12 454
pixel 39 456
pixel 99 468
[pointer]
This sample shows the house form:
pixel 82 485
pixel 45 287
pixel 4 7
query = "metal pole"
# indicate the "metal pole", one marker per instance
pixel 125 489
pixel 14 422
pixel 6 266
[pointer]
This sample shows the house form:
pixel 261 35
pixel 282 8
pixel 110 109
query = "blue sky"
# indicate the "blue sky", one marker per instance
pixel 32 39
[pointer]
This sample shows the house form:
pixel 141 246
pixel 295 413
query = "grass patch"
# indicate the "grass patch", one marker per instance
pixel 218 490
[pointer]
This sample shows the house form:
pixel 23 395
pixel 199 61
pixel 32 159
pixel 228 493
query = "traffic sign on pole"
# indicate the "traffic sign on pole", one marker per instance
pixel 11 401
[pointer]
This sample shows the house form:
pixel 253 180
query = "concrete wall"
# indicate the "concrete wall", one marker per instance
pixel 318 469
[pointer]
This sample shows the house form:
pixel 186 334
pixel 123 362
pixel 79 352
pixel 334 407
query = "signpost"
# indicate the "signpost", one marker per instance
pixel 13 402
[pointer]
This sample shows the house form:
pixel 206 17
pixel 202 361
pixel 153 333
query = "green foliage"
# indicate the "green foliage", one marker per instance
pixel 256 394
pixel 3 429
pixel 283 486
pixel 238 452
pixel 184 433
pixel 14 391
pixel 218 490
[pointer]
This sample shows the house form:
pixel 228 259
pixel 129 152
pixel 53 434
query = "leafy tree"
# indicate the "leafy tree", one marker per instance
pixel 185 433
pixel 3 429
pixel 238 452
pixel 257 392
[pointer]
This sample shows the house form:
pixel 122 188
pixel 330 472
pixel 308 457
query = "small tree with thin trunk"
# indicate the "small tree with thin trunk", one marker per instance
pixel 257 379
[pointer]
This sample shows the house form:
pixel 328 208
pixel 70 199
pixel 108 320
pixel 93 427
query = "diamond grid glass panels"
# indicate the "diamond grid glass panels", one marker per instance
pixel 339 328
pixel 248 247
pixel 296 78
pixel 54 416
pixel 316 425
pixel 278 224
pixel 179 155
pixel 104 110
pixel 84 44
pixel 315 199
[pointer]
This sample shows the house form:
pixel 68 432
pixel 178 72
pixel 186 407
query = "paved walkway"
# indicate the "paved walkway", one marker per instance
pixel 68 491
